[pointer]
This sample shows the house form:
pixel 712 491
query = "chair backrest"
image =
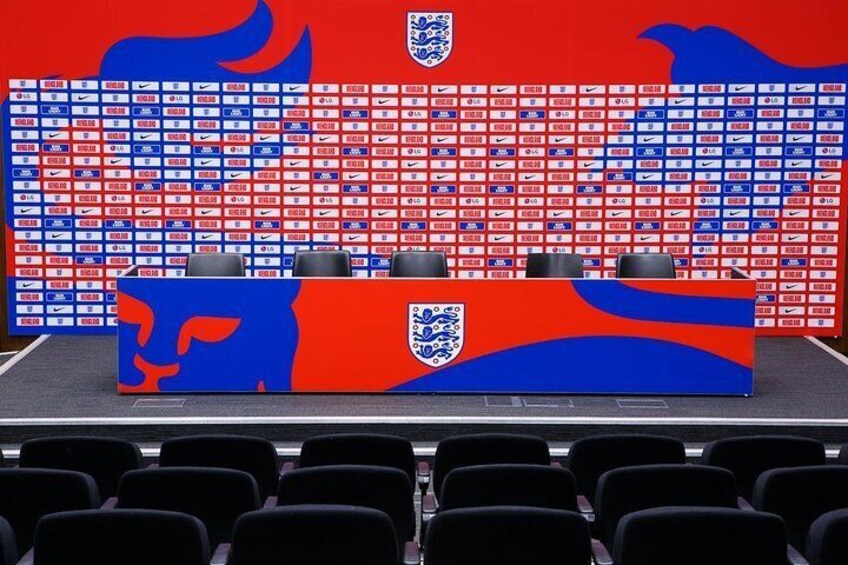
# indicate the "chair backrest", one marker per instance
pixel 486 449
pixel 215 496
pixel 747 457
pixel 539 486
pixel 700 536
pixel 554 265
pixel 842 459
pixel 800 495
pixel 380 488
pixel 359 449
pixel 426 264
pixel 592 456
pixel 28 494
pixel 253 455
pixel 827 540
pixel 215 265
pixel 8 545
pixel 626 490
pixel 321 264
pixel 508 535
pixel 128 537
pixel 2 461
pixel 105 459
pixel 315 534
pixel 645 266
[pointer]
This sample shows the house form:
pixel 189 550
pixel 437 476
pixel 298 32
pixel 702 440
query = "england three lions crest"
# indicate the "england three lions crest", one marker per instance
pixel 429 37
pixel 436 332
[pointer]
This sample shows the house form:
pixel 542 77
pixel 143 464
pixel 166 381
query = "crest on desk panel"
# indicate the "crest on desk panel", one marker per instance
pixel 429 37
pixel 436 332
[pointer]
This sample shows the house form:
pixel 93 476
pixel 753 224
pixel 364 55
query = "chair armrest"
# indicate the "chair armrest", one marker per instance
pixel 423 476
pixel 28 558
pixel 794 556
pixel 270 502
pixel 411 554
pixel 600 554
pixel 743 504
pixel 585 508
pixel 221 555
pixel 111 502
pixel 287 467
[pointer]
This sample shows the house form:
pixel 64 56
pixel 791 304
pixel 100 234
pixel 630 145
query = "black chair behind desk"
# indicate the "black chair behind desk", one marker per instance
pixel 322 264
pixel 215 265
pixel 645 266
pixel 554 265
pixel 424 264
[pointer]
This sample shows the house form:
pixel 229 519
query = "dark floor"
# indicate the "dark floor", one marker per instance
pixel 70 381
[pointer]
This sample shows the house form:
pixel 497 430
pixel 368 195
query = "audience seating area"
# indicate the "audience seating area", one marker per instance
pixel 490 498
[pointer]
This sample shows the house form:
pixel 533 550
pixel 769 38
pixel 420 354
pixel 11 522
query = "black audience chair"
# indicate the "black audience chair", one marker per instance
pixel 28 494
pixel 842 459
pixel 8 545
pixel 700 536
pixel 215 496
pixel 2 461
pixel 359 449
pixel 486 449
pixel 125 537
pixel 747 457
pixel 316 535
pixel 508 535
pixel 253 455
pixel 645 266
pixel 800 495
pixel 538 486
pixel 425 264
pixel 322 264
pixel 592 456
pixel 626 490
pixel 215 265
pixel 554 265
pixel 105 459
pixel 827 540
pixel 380 488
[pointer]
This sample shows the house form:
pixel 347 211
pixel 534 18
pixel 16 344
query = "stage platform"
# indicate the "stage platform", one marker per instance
pixel 66 385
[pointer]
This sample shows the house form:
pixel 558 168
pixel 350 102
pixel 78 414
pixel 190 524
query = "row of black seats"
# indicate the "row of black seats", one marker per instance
pixel 378 472
pixel 432 264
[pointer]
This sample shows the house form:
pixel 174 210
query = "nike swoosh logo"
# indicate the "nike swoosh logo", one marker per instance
pixel 500 139
pixel 54 173
pixel 355 176
pixel 204 137
pixel 738 88
pixel 264 212
pixel 591 89
pixel 325 138
pixel 293 163
pixel 412 164
pixel 441 139
pixel 296 187
pixel 498 165
pixel 206 162
pixel 204 86
pixel 145 136
pixel 114 161
pixel 205 236
pixel 500 238
pixel 87 210
pixel 53 135
pixel 679 100
pixel 738 138
pixel 382 101
pixel 499 214
pixel 441 177
pixel 264 137
pixel 559 139
pixel 27 285
pixel 504 89
pixel 796 163
pixel 25 210
pixel 205 212
pixel 797 137
pixel 381 214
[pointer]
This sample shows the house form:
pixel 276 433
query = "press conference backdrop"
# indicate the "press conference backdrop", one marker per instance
pixel 138 133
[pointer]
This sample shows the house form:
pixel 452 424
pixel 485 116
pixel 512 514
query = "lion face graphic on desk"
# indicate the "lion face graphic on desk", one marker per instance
pixel 185 339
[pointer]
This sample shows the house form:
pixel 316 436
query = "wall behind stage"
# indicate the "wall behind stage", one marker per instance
pixel 137 132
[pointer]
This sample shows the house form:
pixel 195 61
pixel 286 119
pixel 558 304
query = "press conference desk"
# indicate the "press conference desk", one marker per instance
pixel 435 335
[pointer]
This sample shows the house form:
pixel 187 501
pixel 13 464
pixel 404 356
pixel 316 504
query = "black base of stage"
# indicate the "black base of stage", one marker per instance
pixel 66 385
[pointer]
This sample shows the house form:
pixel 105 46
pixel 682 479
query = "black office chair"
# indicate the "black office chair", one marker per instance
pixel 380 488
pixel 128 537
pixel 315 535
pixel 699 536
pixel 645 266
pixel 800 495
pixel 253 455
pixel 322 264
pixel 748 457
pixel 8 545
pixel 424 264
pixel 28 494
pixel 215 496
pixel 105 459
pixel 592 456
pixel 215 265
pixel 538 486
pixel 626 490
pixel 554 265
pixel 827 540
pixel 508 535
pixel 359 449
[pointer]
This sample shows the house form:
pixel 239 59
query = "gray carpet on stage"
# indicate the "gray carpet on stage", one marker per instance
pixel 74 377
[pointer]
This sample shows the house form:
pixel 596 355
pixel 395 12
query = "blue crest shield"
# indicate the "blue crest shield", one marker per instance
pixel 436 332
pixel 429 37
